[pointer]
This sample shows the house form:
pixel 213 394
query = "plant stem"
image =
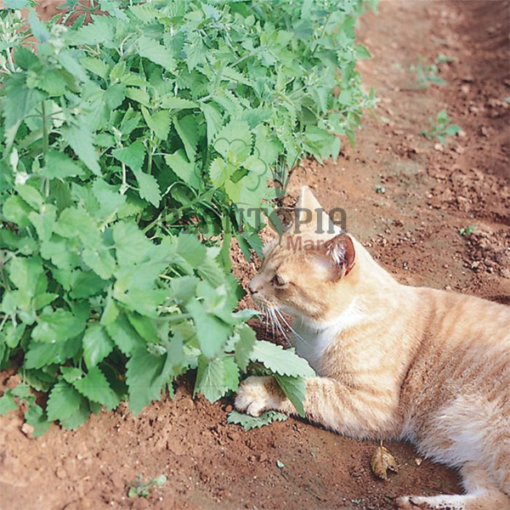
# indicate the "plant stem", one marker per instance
pixel 45 131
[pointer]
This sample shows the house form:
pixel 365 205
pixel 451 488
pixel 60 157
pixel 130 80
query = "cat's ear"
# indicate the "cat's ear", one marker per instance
pixel 340 253
pixel 310 216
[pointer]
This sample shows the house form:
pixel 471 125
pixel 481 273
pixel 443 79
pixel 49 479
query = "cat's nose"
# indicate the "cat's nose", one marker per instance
pixel 251 288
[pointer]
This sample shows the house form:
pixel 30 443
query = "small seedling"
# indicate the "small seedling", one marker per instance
pixel 356 501
pixel 467 231
pixel 139 488
pixel 441 127
pixel 444 59
pixel 426 74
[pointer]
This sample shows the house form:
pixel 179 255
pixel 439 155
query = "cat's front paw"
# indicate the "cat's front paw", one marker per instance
pixel 258 394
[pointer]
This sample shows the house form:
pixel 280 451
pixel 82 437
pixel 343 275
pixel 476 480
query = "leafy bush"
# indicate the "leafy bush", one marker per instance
pixel 133 150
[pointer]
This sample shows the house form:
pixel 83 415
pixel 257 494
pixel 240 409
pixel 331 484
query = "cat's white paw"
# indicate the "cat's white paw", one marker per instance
pixel 410 503
pixel 256 395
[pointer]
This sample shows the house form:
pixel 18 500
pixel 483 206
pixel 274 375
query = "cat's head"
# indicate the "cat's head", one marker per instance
pixel 308 273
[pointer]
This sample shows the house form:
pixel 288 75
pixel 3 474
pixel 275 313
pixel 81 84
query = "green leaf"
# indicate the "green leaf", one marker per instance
pixel 30 195
pixel 295 389
pixel 85 284
pixel 212 332
pixel 96 345
pixel 80 140
pixel 235 138
pixel 108 198
pixel 177 103
pixel 100 31
pixel 78 418
pixel 191 250
pixel 155 52
pixel 184 169
pixel 250 422
pixel 96 66
pixel 95 387
pixel 244 346
pixel 35 418
pixel 131 245
pixel 217 377
pixel 57 326
pixel 132 156
pixel 20 101
pixel 187 129
pixel 144 326
pixel 100 261
pixel 17 210
pixel 124 335
pixel 64 401
pixel 149 188
pixel 213 119
pixel 159 122
pixel 60 166
pixel 280 361
pixel 146 376
pixel 7 403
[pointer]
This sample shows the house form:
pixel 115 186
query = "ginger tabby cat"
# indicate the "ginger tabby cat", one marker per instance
pixel 392 361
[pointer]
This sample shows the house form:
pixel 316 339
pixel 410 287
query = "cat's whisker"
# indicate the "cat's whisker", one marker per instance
pixel 290 327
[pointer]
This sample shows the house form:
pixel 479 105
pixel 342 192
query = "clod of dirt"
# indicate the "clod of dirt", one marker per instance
pixel 383 461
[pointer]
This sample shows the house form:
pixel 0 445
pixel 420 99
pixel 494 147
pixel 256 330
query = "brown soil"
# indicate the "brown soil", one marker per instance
pixel 412 228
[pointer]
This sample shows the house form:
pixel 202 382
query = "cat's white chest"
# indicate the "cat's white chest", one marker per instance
pixel 311 344
pixel 313 341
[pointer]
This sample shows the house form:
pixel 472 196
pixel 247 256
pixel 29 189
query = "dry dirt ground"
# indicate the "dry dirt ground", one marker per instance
pixel 430 193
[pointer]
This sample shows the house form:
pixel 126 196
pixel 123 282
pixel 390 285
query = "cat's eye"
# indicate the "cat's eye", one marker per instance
pixel 277 281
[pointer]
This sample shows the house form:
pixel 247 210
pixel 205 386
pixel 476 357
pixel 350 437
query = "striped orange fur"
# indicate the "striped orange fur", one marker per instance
pixel 392 361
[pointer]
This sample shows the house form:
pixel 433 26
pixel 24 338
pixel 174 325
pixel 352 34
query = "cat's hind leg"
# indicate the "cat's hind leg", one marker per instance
pixel 481 494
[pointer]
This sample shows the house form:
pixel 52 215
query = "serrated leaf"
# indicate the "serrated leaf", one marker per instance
pixel 78 418
pixel 96 66
pixel 132 156
pixel 216 378
pixel 187 130
pixel 149 188
pixel 108 198
pixel 35 418
pixel 146 376
pixel 100 31
pixel 7 403
pixel 100 261
pixel 96 345
pixel 20 102
pixel 155 52
pixel 144 326
pixel 213 119
pixel 191 250
pixel 57 326
pixel 95 387
pixel 80 140
pixel 159 122
pixel 64 401
pixel 250 422
pixel 244 346
pixel 280 361
pixel 124 335
pixel 184 169
pixel 212 332
pixel 177 103
pixel 60 166
pixel 131 245
pixel 235 138
pixel 294 389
